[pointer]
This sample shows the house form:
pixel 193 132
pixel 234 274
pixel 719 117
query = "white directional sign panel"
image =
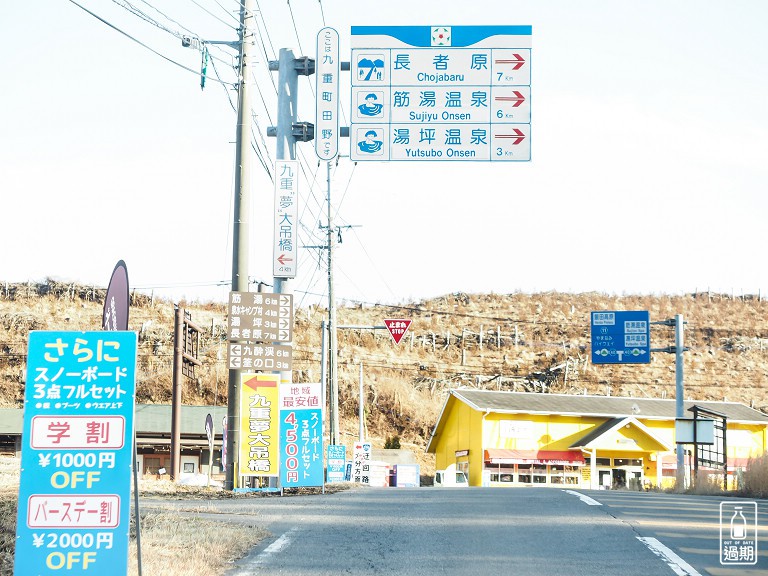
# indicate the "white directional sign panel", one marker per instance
pixel 441 93
pixel 285 247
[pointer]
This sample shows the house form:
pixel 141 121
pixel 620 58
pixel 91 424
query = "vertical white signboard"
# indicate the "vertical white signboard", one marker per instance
pixel 286 219
pixel 327 107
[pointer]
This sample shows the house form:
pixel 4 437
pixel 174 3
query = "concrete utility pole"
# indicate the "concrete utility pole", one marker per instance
pixel 332 339
pixel 241 220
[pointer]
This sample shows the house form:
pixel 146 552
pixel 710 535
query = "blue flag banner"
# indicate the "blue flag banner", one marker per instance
pixel 74 494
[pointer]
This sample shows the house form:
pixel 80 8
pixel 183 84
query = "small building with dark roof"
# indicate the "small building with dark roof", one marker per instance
pixel 153 437
pixel 522 438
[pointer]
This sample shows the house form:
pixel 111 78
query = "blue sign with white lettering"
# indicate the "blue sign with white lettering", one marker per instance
pixel 301 435
pixel 621 337
pixel 337 462
pixel 74 494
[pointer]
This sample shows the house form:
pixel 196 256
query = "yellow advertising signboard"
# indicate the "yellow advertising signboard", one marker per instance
pixel 259 425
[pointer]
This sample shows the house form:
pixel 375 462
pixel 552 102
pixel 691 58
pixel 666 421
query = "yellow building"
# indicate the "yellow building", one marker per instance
pixel 528 439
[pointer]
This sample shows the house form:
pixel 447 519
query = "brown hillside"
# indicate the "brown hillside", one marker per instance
pixel 533 342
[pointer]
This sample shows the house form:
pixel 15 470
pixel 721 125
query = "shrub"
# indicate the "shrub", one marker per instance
pixel 392 443
pixel 756 477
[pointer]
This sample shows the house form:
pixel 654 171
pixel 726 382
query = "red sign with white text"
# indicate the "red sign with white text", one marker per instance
pixel 397 328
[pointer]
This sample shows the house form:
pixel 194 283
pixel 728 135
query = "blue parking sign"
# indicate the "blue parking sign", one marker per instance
pixel 621 337
pixel 77 449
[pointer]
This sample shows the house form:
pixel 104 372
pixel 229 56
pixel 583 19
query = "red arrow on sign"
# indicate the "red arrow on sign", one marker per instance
pixel 517 62
pixel 518 136
pixel 518 98
pixel 282 259
pixel 397 328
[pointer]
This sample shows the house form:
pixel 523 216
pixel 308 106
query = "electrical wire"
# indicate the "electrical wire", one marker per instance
pixel 322 13
pixel 204 9
pixel 139 42
pixel 147 18
pixel 230 14
pixel 266 31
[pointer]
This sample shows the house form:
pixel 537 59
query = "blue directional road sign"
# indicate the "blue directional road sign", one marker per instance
pixel 621 337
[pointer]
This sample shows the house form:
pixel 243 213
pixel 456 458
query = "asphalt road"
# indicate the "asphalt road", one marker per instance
pixel 525 531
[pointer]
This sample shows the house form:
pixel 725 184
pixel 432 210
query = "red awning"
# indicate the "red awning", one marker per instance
pixel 508 456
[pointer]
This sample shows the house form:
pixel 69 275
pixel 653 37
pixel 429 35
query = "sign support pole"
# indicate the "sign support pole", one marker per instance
pixel 241 220
pixel 285 149
pixel 679 396
pixel 361 410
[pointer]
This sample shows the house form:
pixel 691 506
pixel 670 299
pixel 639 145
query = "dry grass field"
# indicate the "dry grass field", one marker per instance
pixel 522 342
pixel 533 342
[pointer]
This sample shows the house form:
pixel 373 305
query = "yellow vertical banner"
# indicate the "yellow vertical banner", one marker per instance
pixel 259 425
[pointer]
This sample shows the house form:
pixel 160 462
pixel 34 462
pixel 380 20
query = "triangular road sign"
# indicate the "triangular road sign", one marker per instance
pixel 397 328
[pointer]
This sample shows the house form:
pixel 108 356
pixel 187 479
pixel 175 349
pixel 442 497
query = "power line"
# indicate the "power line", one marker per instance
pixel 237 21
pixel 322 13
pixel 140 43
pixel 204 9
pixel 147 18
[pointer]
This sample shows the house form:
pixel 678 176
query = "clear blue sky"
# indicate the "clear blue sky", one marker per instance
pixel 648 171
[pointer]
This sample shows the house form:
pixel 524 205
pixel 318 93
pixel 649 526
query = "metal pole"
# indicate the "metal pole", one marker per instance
pixel 725 454
pixel 287 86
pixel 324 362
pixel 137 516
pixel 360 407
pixel 679 396
pixel 285 149
pixel 695 479
pixel 178 360
pixel 333 344
pixel 241 220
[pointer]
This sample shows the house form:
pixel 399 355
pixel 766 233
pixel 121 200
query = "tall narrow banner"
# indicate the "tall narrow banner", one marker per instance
pixel 259 425
pixel 75 486
pixel 301 435
pixel 117 300
pixel 337 462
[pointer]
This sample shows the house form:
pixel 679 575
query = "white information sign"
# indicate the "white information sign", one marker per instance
pixel 286 219
pixel 441 93
pixel 327 89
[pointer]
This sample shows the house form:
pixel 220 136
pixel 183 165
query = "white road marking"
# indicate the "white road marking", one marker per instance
pixel 678 565
pixel 268 552
pixel 584 498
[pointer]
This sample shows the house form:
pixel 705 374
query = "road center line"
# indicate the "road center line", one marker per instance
pixel 584 498
pixel 678 565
